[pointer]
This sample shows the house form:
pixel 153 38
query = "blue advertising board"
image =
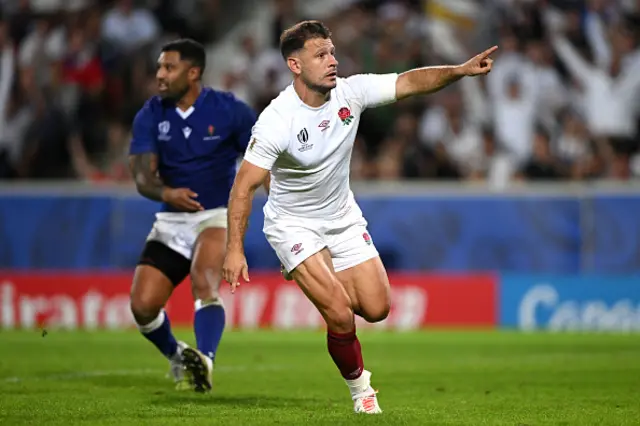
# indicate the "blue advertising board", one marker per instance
pixel 529 233
pixel 563 303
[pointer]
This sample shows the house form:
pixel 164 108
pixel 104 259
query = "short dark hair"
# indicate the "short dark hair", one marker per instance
pixel 294 38
pixel 189 50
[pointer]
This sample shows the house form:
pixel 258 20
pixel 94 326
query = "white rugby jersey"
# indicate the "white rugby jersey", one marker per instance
pixel 308 150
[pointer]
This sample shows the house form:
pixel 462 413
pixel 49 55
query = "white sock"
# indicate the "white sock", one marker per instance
pixel 359 385
pixel 153 325
pixel 199 303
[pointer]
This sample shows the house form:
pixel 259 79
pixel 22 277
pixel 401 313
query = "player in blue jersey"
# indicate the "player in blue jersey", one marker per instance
pixel 183 153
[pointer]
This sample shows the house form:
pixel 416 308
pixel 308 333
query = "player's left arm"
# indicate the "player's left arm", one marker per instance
pixel 420 81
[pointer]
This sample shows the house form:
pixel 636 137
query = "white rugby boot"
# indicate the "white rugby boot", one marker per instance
pixel 366 403
pixel 363 395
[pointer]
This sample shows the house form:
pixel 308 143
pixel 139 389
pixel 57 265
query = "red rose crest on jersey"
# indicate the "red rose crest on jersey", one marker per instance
pixel 345 115
pixel 367 238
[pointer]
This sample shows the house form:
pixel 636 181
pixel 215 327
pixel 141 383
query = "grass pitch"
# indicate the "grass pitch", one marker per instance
pixel 264 377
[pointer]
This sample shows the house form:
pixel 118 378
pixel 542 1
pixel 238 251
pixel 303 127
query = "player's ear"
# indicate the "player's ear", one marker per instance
pixel 194 73
pixel 294 65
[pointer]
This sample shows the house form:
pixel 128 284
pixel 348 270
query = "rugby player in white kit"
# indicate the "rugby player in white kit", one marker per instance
pixel 304 138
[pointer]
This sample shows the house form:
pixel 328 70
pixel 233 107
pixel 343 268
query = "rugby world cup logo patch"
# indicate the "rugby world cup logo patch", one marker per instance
pixel 303 138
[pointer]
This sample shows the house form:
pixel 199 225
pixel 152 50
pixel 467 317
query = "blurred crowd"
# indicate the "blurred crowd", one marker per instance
pixel 562 101
pixel 73 73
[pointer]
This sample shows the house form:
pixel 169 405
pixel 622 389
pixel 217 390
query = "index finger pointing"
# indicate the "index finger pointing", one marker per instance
pixel 489 51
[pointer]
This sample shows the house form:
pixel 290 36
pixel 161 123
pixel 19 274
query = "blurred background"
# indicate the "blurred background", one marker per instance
pixel 527 176
pixel 561 104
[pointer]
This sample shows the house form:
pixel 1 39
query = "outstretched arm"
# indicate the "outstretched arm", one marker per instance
pixel 420 81
pixel 577 66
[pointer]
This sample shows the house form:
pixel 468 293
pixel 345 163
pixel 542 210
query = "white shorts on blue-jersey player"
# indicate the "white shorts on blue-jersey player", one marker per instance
pixel 179 231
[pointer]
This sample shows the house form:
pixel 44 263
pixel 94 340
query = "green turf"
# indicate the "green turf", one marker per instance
pixel 435 378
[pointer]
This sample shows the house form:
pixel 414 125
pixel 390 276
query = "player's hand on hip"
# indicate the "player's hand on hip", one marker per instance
pixel 480 64
pixel 235 266
pixel 182 198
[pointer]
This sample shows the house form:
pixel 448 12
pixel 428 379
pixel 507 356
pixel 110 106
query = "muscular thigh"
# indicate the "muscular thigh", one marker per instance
pixel 159 270
pixel 150 290
pixel 368 288
pixel 360 270
pixel 317 279
pixel 207 261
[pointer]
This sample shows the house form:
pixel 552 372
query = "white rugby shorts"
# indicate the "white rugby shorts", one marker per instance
pixel 295 240
pixel 179 231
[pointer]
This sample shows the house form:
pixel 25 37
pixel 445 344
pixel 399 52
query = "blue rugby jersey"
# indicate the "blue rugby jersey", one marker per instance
pixel 197 148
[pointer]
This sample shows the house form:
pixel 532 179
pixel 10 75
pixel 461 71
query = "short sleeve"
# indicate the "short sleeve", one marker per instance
pixel 268 141
pixel 373 90
pixel 142 138
pixel 245 119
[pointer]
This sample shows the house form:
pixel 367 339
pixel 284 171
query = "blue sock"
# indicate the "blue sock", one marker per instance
pixel 208 326
pixel 159 333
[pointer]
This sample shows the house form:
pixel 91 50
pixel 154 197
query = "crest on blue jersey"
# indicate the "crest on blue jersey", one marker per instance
pixel 163 127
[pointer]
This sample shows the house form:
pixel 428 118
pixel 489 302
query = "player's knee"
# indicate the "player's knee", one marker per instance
pixel 145 307
pixel 339 318
pixel 205 283
pixel 376 313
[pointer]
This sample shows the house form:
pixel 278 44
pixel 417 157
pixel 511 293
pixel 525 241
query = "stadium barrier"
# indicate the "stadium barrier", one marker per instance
pixel 563 230
pixel 561 257
pixel 555 303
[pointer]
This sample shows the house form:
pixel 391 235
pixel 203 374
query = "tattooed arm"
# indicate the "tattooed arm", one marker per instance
pixel 144 169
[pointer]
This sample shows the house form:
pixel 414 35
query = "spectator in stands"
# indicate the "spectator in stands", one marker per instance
pixel 609 90
pixel 542 165
pixel 73 71
pixel 7 105
pixel 129 28
pixel 513 89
